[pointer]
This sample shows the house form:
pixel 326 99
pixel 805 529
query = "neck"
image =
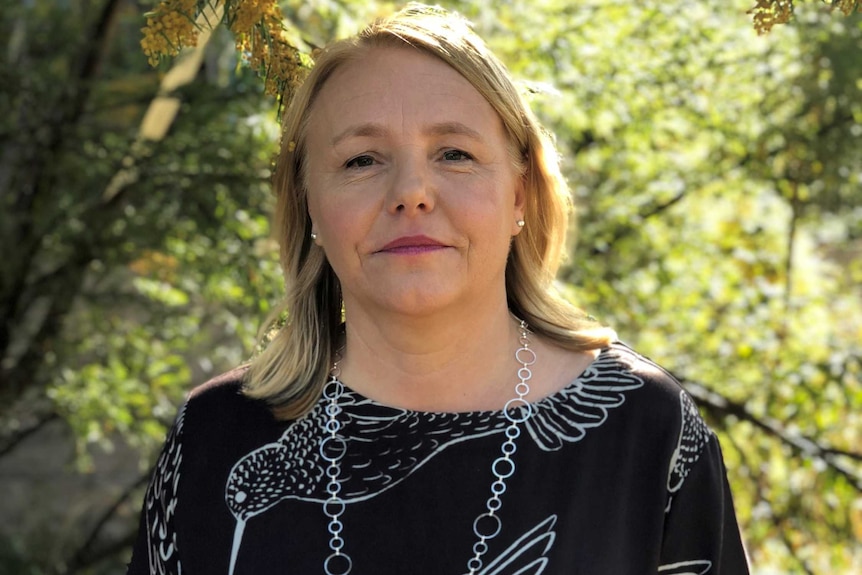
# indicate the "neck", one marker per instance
pixel 436 363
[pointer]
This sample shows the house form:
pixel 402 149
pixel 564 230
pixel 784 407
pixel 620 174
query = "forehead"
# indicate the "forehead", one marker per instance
pixel 399 84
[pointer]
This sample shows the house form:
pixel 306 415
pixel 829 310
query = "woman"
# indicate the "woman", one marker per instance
pixel 431 406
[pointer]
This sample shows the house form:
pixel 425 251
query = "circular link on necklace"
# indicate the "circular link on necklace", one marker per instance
pixel 504 473
pixel 518 404
pixel 338 564
pixel 498 488
pixel 337 544
pixel 338 503
pixel 529 356
pixel 480 547
pixel 487 520
pixel 333 448
pixel 333 389
pixel 336 527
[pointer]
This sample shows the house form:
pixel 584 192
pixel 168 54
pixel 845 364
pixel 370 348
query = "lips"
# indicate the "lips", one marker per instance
pixel 413 244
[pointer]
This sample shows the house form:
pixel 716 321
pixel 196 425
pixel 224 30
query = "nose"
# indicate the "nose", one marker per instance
pixel 411 190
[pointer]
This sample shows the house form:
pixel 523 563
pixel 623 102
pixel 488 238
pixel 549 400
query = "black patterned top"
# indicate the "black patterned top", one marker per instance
pixel 615 474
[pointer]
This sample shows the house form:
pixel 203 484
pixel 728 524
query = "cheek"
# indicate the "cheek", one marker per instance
pixel 343 226
pixel 322 205
pixel 319 186
pixel 317 208
pixel 489 203
pixel 327 216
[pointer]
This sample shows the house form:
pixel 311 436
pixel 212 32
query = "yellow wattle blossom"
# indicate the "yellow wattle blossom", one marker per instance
pixel 847 6
pixel 170 27
pixel 262 42
pixel 257 25
pixel 768 13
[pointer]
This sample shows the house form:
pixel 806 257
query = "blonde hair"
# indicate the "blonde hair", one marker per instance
pixel 291 371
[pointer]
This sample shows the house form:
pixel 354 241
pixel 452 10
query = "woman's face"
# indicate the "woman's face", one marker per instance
pixel 412 190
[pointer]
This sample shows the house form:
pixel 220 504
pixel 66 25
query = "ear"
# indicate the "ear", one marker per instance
pixel 520 207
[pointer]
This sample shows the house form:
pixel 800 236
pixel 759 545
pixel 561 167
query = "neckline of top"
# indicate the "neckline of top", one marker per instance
pixel 360 399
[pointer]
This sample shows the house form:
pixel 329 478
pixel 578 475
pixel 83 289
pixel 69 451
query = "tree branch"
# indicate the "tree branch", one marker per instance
pixel 801 445
pixel 647 212
pixel 23 372
pixel 13 441
pixel 84 556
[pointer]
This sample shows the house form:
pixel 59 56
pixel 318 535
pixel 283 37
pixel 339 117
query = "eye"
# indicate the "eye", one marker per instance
pixel 359 162
pixel 456 156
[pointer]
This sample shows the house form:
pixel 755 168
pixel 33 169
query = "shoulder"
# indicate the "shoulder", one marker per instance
pixel 218 425
pixel 663 410
pixel 224 391
pixel 658 399
pixel 665 405
pixel 219 408
pixel 228 383
pixel 633 401
pixel 616 372
pixel 657 379
pixel 616 361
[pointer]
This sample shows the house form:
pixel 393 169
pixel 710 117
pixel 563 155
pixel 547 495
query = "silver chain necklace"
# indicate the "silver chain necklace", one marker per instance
pixel 487 525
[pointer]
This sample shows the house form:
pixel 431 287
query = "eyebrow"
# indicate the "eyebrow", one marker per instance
pixel 456 128
pixel 377 131
pixel 359 131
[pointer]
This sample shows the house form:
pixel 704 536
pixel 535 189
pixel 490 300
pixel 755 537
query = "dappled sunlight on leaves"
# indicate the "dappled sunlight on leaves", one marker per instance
pixel 717 174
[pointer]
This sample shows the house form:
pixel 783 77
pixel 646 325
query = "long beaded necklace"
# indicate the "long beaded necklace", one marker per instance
pixel 487 524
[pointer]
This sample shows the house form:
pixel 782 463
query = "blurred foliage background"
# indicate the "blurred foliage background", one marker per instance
pixel 717 174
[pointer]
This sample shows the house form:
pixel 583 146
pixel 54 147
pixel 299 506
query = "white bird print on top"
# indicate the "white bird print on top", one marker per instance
pixel 527 555
pixel 292 467
pixel 693 436
pixel 696 567
pixel 384 446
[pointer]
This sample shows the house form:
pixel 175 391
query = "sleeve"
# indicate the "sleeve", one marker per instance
pixel 701 535
pixel 156 551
